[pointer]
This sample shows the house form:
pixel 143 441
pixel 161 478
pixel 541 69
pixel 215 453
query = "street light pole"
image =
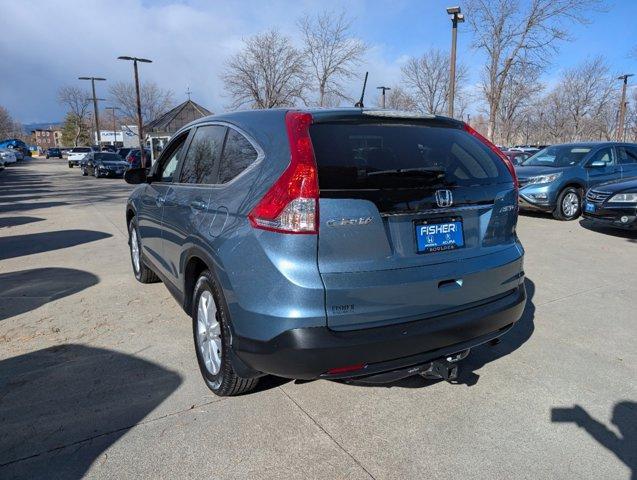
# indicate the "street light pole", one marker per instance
pixel 112 109
pixel 95 109
pixel 456 17
pixel 139 106
pixel 383 89
pixel 622 107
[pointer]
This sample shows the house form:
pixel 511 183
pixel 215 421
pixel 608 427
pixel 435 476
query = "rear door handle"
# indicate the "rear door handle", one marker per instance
pixel 198 205
pixel 452 284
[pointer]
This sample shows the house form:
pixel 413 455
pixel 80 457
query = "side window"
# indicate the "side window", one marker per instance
pixel 202 158
pixel 627 155
pixel 238 154
pixel 170 158
pixel 604 155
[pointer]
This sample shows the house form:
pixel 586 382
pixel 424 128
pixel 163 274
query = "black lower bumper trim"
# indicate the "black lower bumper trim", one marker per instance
pixel 308 353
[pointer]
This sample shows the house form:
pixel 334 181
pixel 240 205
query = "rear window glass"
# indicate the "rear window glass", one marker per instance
pixel 360 156
pixel 107 157
pixel 81 150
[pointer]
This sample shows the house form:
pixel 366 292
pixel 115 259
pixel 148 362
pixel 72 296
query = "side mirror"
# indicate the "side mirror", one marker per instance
pixel 135 176
pixel 597 164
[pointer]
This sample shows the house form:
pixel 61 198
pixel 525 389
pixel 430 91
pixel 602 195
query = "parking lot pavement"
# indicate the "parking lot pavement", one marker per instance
pixel 98 376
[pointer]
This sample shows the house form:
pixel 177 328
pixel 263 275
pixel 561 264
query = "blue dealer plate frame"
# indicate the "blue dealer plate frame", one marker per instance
pixel 439 235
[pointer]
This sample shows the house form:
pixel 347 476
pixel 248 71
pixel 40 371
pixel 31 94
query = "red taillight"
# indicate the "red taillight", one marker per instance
pixel 291 204
pixel 349 368
pixel 497 151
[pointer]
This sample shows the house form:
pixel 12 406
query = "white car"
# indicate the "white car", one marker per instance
pixel 76 154
pixel 7 156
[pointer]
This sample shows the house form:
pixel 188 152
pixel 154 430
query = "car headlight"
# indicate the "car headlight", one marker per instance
pixel 624 198
pixel 551 177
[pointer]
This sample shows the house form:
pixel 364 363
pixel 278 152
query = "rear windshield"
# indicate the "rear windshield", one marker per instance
pixel 107 157
pixel 81 150
pixel 363 156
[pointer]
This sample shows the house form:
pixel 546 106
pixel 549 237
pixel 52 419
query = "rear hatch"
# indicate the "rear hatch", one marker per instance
pixel 417 219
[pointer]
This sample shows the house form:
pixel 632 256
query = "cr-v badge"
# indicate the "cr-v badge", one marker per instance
pixel 341 222
pixel 444 198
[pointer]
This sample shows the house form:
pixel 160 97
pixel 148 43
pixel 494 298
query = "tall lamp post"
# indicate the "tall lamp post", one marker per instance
pixel 456 17
pixel 622 107
pixel 95 99
pixel 139 105
pixel 383 90
pixel 112 109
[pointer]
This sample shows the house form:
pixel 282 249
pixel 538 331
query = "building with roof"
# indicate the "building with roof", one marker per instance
pixel 159 131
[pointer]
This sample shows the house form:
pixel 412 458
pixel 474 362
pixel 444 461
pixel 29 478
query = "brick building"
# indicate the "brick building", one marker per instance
pixel 47 138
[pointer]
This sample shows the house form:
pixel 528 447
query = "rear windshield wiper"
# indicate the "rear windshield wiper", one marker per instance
pixel 410 172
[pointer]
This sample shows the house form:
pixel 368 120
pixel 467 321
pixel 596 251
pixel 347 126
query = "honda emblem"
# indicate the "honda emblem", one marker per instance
pixel 444 198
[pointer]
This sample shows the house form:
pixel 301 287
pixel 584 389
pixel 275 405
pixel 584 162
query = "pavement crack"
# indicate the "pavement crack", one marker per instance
pixel 328 434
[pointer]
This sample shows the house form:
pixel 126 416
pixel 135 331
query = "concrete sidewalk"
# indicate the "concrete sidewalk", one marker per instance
pixel 98 376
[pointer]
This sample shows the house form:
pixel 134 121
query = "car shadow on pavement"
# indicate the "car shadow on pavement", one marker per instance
pixel 483 354
pixel 22 207
pixel 630 235
pixel 7 222
pixel 26 290
pixel 624 445
pixel 62 407
pixel 29 244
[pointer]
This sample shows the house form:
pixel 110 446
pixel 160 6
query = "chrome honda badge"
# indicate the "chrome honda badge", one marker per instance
pixel 444 198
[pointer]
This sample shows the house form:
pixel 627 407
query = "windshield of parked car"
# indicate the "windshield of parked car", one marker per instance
pixel 107 157
pixel 558 156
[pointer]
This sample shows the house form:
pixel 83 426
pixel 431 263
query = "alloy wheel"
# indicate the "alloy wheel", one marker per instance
pixel 209 333
pixel 570 204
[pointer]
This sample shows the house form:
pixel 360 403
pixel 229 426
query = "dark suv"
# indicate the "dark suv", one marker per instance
pixel 343 243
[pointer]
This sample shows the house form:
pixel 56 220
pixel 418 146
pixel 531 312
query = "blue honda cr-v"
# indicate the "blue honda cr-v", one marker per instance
pixel 555 179
pixel 343 243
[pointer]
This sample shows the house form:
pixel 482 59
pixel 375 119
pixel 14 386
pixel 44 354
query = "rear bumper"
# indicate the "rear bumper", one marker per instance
pixel 308 353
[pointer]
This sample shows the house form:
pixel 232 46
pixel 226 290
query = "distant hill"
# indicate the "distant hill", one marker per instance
pixel 29 127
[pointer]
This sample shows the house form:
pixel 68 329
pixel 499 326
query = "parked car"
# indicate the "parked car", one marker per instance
pixel 343 243
pixel 17 151
pixel 103 164
pixel 76 154
pixel 134 158
pixel 123 152
pixel 613 204
pixel 517 157
pixel 8 157
pixel 53 152
pixel 554 179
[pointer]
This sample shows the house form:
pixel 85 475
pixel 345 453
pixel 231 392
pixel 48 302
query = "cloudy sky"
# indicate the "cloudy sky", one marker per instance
pixel 49 43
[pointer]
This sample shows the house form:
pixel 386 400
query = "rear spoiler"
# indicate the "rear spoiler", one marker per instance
pixel 398 114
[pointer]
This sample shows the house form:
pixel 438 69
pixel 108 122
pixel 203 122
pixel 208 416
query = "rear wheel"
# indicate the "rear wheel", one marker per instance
pixel 70 165
pixel 569 204
pixel 211 332
pixel 143 274
pixel 84 172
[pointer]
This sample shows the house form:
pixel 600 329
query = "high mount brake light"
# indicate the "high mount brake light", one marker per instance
pixel 495 150
pixel 291 204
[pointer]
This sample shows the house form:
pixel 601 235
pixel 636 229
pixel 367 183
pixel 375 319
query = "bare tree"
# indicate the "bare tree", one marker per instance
pixel 427 80
pixel 155 100
pixel 332 53
pixel 269 72
pixel 399 99
pixel 8 126
pixel 518 94
pixel 77 102
pixel 512 32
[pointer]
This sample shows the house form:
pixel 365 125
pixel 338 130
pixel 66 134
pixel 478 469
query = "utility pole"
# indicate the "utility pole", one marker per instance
pixel 112 109
pixel 139 106
pixel 95 109
pixel 383 89
pixel 622 107
pixel 456 17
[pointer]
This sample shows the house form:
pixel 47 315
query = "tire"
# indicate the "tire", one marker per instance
pixel 96 174
pixel 70 165
pixel 211 333
pixel 569 204
pixel 142 273
pixel 84 172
